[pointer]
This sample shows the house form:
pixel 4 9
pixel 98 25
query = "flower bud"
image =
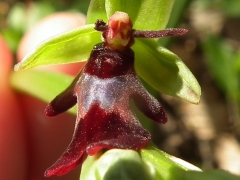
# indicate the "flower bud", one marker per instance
pixel 116 164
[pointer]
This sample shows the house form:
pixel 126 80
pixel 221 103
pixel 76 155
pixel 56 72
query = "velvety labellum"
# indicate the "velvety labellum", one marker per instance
pixel 103 91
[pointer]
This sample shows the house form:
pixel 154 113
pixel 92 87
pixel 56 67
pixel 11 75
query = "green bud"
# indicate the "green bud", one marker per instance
pixel 116 164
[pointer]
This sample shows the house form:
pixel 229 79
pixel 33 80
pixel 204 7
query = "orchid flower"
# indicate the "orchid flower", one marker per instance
pixel 109 80
pixel 103 91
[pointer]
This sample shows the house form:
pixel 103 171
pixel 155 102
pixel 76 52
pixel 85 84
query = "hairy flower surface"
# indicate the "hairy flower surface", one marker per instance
pixel 103 91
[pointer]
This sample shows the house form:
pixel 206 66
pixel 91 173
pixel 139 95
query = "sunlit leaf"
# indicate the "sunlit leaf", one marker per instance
pixel 153 14
pixel 165 165
pixel 145 14
pixel 131 7
pixel 44 85
pixel 69 47
pixel 96 11
pixel 165 71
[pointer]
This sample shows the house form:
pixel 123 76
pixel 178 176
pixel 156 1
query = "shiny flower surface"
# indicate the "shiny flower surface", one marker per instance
pixel 103 91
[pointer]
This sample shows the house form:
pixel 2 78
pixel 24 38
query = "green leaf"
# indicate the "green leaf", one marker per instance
pixel 116 164
pixel 44 85
pixel 167 167
pixel 96 11
pixel 153 14
pixel 165 71
pixel 69 47
pixel 130 7
pixel 221 62
pixel 230 8
pixel 145 14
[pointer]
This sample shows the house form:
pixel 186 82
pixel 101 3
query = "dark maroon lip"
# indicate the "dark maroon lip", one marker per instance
pixel 103 91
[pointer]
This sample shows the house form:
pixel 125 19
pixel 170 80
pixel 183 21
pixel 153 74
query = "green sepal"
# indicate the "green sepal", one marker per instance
pixel 145 14
pixel 166 167
pixel 165 71
pixel 69 47
pixel 96 10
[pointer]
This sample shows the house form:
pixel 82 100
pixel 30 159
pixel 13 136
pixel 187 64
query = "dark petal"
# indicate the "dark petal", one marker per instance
pixel 147 104
pixel 100 25
pixel 104 104
pixel 100 129
pixel 110 123
pixel 71 157
pixel 111 129
pixel 150 106
pixel 160 33
pixel 63 101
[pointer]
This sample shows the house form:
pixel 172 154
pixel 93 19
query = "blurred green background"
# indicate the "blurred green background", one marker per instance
pixel 206 135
